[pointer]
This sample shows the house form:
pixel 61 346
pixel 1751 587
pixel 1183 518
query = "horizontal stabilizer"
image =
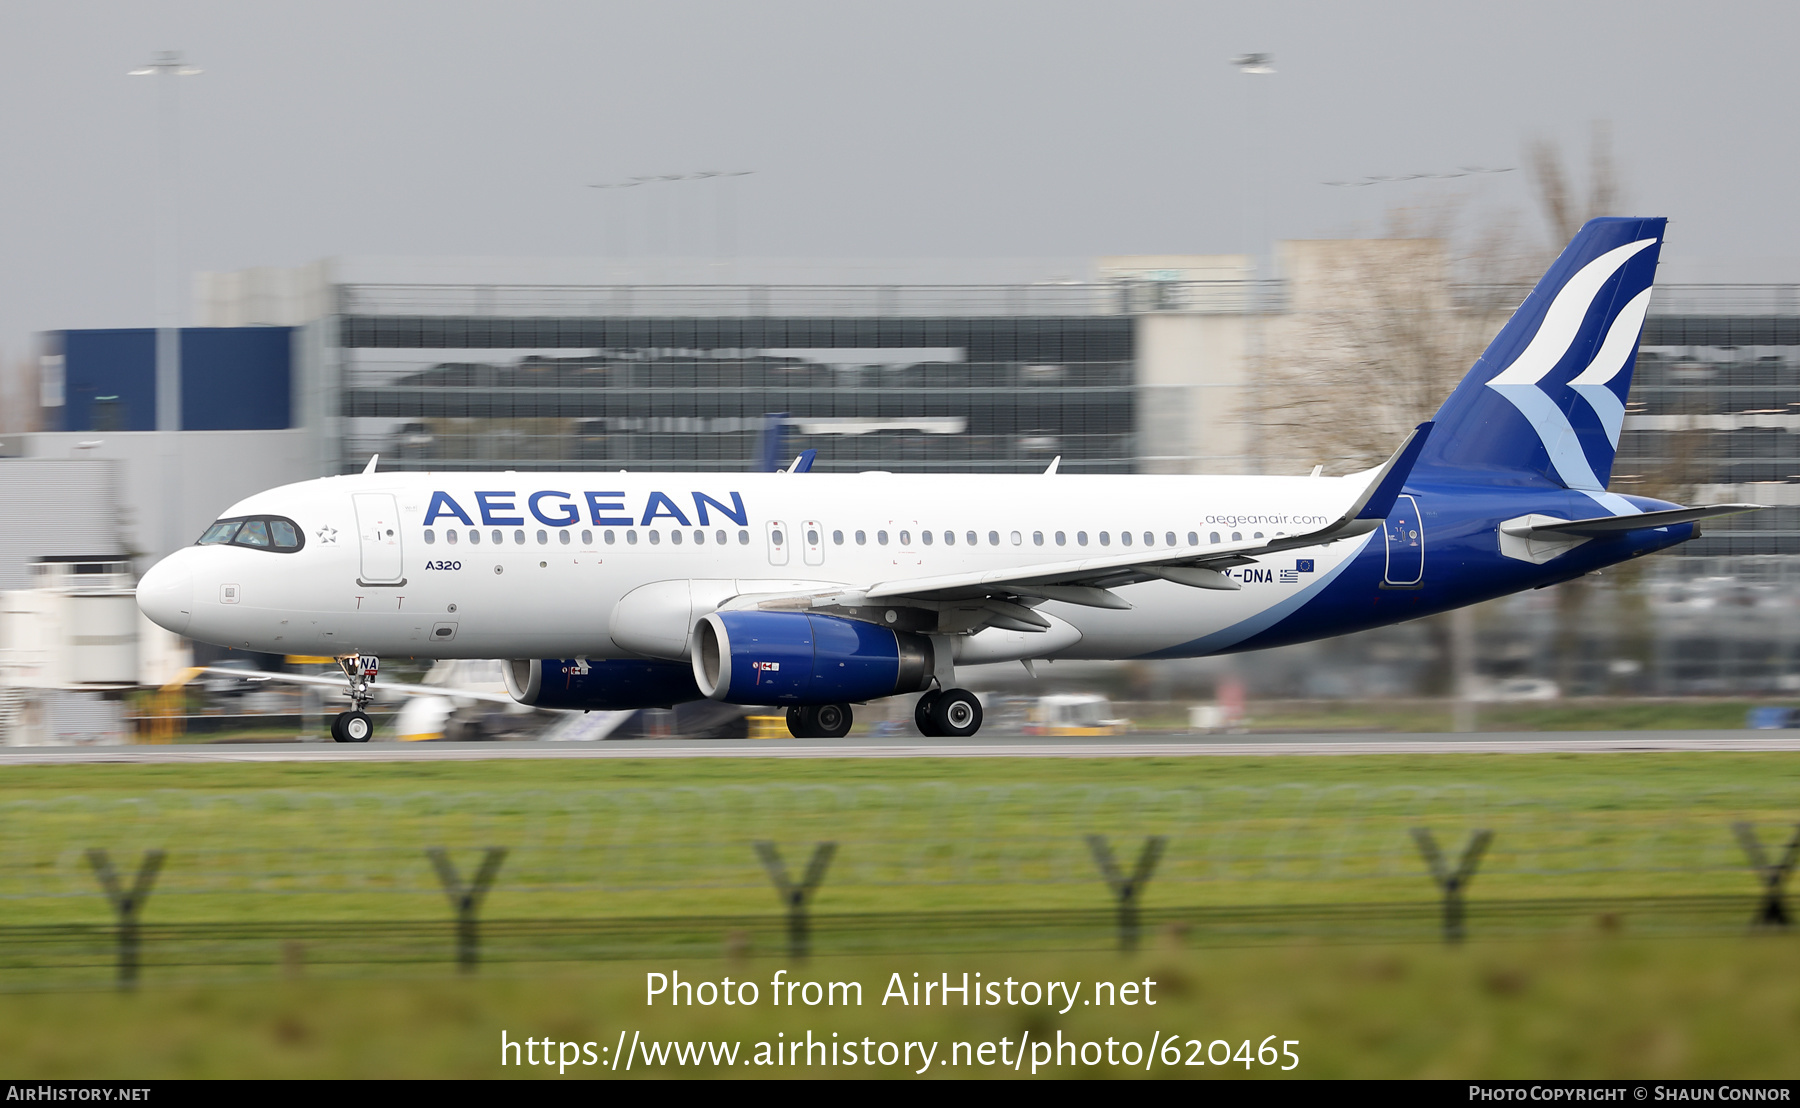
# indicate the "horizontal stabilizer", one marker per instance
pixel 1540 525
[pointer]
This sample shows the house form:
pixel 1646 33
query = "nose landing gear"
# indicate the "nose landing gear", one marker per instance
pixel 355 726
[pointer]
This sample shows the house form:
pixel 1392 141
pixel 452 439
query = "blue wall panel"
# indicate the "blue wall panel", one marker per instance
pixel 232 379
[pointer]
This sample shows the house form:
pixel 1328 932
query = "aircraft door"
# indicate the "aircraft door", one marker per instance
pixel 779 541
pixel 813 535
pixel 378 525
pixel 1405 543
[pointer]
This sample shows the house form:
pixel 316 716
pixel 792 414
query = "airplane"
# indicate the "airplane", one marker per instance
pixel 814 592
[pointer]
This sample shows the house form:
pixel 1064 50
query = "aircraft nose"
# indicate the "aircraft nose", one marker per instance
pixel 166 593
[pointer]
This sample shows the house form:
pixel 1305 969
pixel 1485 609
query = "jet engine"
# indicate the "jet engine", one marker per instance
pixel 757 657
pixel 580 685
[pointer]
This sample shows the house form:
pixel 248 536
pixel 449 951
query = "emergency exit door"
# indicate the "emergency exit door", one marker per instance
pixel 378 527
pixel 1405 543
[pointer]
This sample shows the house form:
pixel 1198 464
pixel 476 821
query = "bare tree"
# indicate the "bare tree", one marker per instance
pixel 1564 210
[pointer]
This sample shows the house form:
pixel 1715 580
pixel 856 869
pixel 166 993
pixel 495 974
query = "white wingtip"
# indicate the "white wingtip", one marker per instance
pixel 1051 468
pixel 370 468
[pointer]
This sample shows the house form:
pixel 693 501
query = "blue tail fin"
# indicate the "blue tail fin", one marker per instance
pixel 1546 401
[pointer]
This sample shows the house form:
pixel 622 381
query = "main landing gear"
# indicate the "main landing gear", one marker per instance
pixel 820 721
pixel 948 714
pixel 355 726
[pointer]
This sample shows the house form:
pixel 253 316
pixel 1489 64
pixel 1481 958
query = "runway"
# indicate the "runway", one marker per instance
pixel 1001 746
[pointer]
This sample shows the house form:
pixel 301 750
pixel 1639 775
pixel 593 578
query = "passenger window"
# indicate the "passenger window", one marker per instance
pixel 881 538
pixel 655 538
pixel 1150 539
pixel 972 538
pixel 283 533
pixel 906 538
pixel 949 538
pixel 562 537
pixel 1258 535
pixel 474 537
pixel 1037 538
pixel 220 532
pixel 1017 538
pixel 543 538
pixel 699 538
pixel 1193 539
pixel 430 536
pixel 775 536
pixel 926 535
pixel 450 536
pixel 743 538
pixel 674 537
pixel 1124 538
pixel 518 537
pixel 1081 538
pixel 254 533
pixel 862 537
pixel 837 538
pixel 631 538
pixel 812 536
pixel 608 537
pixel 1105 539
pixel 1169 539
pixel 719 536
pixel 1062 539
pixel 1237 536
pixel 587 538
pixel 499 538
pixel 993 538
pixel 1214 536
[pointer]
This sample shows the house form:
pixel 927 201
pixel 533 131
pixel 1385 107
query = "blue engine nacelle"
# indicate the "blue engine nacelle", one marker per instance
pixel 589 686
pixel 754 657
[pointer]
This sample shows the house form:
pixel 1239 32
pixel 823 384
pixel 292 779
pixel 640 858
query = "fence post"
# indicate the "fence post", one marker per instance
pixel 796 896
pixel 466 900
pixel 127 905
pixel 1453 883
pixel 1772 912
pixel 1127 890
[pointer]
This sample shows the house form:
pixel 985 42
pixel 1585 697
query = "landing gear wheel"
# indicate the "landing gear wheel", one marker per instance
pixel 799 725
pixel 956 713
pixel 352 727
pixel 831 721
pixel 922 715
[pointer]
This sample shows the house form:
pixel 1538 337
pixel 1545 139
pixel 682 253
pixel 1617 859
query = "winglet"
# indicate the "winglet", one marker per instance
pixel 370 468
pixel 1378 499
pixel 803 462
pixel 1048 470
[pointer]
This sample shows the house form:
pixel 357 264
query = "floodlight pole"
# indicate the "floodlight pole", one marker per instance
pixel 167 65
pixel 1255 65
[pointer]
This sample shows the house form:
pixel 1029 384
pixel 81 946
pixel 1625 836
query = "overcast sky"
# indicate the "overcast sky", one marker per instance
pixel 959 129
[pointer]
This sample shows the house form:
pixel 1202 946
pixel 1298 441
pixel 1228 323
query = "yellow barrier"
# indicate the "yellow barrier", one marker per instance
pixel 768 727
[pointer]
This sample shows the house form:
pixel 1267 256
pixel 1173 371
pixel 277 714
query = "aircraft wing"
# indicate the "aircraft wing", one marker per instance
pixel 1087 580
pixel 378 687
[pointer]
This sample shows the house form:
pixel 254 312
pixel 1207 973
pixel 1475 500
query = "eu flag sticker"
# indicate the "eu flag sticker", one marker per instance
pixel 1303 565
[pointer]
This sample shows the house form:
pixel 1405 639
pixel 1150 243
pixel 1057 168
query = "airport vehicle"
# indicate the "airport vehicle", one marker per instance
pixel 813 592
pixel 1074 715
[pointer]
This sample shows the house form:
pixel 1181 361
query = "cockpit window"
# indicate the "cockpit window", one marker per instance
pixel 258 532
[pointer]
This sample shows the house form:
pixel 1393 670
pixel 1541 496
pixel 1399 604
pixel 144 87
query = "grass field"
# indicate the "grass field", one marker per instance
pixel 337 852
pixel 1591 1007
